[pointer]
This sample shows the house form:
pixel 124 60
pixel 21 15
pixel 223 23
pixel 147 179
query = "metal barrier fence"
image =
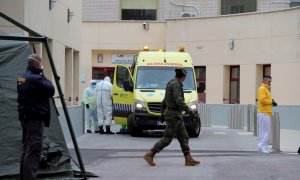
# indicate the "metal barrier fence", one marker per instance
pixel 205 115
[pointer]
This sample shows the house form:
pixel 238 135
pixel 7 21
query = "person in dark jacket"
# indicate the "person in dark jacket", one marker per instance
pixel 34 91
pixel 174 105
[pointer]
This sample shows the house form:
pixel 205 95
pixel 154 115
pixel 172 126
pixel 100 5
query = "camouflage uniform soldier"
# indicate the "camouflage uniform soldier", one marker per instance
pixel 174 104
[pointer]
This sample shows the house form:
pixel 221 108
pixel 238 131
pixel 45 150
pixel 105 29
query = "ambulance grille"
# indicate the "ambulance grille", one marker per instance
pixel 154 107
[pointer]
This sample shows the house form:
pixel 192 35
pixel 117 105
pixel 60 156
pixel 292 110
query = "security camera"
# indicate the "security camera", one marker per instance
pixel 145 25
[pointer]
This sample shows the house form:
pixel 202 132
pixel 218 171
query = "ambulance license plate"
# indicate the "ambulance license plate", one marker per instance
pixel 161 123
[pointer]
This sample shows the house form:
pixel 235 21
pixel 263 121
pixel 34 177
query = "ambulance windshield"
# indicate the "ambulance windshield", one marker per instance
pixel 154 77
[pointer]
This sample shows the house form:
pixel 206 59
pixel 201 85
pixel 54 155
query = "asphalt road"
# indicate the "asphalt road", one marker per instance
pixel 225 154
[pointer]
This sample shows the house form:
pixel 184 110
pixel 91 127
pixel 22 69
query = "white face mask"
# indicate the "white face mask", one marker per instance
pixel 42 68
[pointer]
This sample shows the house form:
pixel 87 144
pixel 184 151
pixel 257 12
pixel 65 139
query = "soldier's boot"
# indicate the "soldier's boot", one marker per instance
pixel 149 157
pixel 101 131
pixel 108 131
pixel 189 161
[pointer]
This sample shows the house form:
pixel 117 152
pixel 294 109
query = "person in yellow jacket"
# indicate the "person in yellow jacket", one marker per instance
pixel 89 100
pixel 264 114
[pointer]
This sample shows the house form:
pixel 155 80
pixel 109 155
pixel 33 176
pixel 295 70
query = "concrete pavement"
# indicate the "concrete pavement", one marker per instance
pixel 224 154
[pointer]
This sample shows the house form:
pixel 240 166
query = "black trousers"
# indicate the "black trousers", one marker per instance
pixel 32 142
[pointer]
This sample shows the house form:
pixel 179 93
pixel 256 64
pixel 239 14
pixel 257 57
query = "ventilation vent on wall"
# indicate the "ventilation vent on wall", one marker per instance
pixel 188 14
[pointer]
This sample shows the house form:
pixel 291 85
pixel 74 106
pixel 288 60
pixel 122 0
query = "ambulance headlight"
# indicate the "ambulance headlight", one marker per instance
pixel 139 106
pixel 193 106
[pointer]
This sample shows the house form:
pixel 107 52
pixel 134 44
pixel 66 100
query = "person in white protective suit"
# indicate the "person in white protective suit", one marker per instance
pixel 104 105
pixel 89 100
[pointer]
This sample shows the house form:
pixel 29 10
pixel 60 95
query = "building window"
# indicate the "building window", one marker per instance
pixel 237 6
pixel 99 73
pixel 294 3
pixel 234 89
pixel 267 70
pixel 139 9
pixel 200 72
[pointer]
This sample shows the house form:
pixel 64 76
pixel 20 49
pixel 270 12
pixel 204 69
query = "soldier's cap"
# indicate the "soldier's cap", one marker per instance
pixel 181 70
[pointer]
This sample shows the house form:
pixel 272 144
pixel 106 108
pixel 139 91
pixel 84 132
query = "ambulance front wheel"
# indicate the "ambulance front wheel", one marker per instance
pixel 133 130
pixel 195 131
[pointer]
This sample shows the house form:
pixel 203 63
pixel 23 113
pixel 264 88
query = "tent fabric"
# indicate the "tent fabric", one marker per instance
pixel 55 149
pixel 13 61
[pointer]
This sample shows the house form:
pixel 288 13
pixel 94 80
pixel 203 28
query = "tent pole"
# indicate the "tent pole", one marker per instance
pixel 20 38
pixel 61 96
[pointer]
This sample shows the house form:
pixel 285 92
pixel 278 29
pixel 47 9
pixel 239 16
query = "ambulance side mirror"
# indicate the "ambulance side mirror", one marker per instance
pixel 127 86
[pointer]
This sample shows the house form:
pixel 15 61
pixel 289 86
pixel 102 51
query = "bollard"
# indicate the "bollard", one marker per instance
pixel 276 132
pixel 237 114
pixel 272 130
pixel 209 117
pixel 236 117
pixel 241 119
pixel 83 117
pixel 204 115
pixel 249 118
pixel 229 118
pixel 253 115
pixel 255 121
